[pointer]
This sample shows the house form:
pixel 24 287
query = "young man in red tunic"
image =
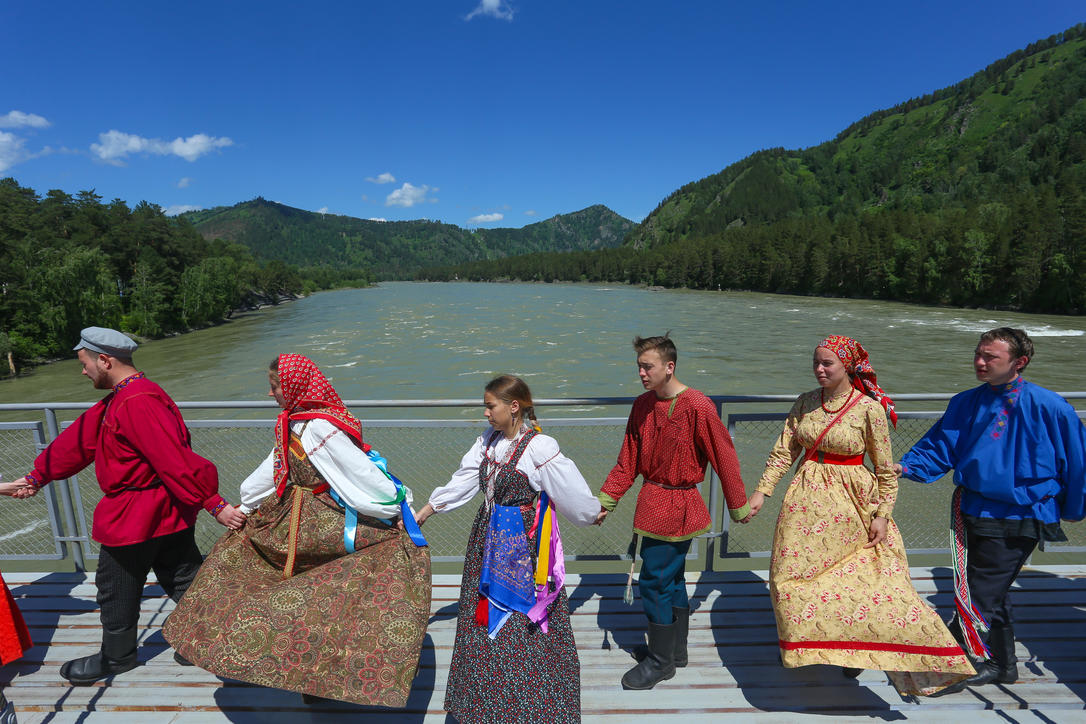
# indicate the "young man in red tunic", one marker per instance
pixel 154 486
pixel 673 432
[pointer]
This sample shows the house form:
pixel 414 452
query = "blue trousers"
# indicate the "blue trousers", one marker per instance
pixel 662 581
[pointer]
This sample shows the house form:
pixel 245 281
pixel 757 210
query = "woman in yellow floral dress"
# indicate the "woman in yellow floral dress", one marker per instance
pixel 838 576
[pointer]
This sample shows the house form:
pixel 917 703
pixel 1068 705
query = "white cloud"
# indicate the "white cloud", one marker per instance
pixel 180 209
pixel 407 195
pixel 384 178
pixel 486 218
pixel 18 119
pixel 114 146
pixel 530 212
pixel 11 150
pixel 492 8
pixel 376 218
pixel 184 183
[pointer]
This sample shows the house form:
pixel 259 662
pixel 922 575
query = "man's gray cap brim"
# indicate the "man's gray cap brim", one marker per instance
pixel 106 341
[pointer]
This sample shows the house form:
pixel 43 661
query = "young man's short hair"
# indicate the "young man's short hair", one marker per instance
pixel 663 346
pixel 1017 341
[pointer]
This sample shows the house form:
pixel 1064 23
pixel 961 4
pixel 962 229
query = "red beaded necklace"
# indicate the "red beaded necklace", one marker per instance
pixel 822 396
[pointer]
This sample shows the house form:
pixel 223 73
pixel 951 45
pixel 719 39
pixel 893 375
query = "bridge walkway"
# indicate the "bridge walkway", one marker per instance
pixel 733 662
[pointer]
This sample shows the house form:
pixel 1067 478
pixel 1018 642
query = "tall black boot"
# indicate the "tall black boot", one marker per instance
pixel 1002 644
pixel 1001 667
pixel 7 711
pixel 659 665
pixel 682 632
pixel 117 656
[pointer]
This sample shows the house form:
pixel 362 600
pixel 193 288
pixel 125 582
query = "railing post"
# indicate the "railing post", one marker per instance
pixel 73 540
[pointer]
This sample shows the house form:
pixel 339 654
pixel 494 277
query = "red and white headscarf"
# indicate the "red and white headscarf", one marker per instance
pixel 857 364
pixel 309 396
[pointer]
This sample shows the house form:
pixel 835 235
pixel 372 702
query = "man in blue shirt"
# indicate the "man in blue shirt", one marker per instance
pixel 1018 452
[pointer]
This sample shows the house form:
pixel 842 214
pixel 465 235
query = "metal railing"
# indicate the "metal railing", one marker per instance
pixel 424 452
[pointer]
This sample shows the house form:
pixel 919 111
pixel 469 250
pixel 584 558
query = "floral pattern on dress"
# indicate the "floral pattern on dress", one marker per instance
pixel 522 675
pixel 344 626
pixel 835 601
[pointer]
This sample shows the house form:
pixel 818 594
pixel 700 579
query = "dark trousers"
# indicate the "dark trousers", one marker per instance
pixel 992 566
pixel 662 581
pixel 122 573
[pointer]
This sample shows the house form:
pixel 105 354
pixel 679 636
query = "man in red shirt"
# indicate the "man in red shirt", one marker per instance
pixel 153 487
pixel 673 432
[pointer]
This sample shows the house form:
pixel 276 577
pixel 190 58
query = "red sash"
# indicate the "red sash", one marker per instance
pixel 812 452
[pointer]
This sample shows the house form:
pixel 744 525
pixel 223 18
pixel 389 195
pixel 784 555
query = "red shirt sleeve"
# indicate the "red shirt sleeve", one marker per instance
pixel 625 471
pixel 72 450
pixel 159 433
pixel 712 438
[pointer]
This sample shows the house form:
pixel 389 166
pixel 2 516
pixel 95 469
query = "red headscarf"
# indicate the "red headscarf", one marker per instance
pixel 857 364
pixel 309 395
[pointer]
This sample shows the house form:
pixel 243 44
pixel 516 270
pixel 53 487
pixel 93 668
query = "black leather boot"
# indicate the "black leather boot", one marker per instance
pixel 1002 644
pixel 659 665
pixel 7 711
pixel 1001 668
pixel 682 632
pixel 117 656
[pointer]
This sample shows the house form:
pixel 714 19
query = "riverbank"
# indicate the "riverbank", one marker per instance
pixel 256 303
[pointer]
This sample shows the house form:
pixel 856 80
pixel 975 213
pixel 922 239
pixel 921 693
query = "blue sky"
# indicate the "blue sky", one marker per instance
pixel 492 113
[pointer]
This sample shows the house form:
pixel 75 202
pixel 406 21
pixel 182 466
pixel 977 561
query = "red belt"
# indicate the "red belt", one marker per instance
pixel 665 486
pixel 835 459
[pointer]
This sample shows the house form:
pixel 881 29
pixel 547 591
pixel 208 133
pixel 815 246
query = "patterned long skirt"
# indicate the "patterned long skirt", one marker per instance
pixel 523 675
pixel 343 626
pixel 839 603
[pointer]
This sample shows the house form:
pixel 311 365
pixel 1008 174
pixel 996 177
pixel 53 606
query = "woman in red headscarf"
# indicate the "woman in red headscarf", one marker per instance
pixel 838 575
pixel 321 592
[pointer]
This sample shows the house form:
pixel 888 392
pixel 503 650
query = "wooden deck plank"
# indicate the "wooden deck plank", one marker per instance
pixel 733 669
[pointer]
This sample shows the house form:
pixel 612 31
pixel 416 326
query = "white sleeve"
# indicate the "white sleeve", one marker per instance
pixel 343 465
pixel 464 482
pixel 551 471
pixel 259 485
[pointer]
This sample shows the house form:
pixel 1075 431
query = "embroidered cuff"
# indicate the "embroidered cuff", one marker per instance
pixel 218 508
pixel 740 513
pixel 33 480
pixel 606 501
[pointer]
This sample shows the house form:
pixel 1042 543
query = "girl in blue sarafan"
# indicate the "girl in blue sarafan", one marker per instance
pixel 1018 452
pixel 515 659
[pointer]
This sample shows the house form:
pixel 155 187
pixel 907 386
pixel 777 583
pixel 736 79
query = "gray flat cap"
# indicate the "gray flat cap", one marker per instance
pixel 106 341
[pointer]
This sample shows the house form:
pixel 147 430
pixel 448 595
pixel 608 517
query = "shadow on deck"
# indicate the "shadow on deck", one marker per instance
pixel 733 662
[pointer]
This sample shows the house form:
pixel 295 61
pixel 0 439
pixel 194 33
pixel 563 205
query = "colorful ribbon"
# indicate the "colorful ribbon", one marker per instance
pixel 406 514
pixel 970 620
pixel 350 521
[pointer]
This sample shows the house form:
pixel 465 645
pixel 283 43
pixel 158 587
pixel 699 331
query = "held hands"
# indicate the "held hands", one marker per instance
pixel 897 470
pixel 600 516
pixel 877 533
pixel 425 512
pixel 19 489
pixel 231 517
pixel 755 502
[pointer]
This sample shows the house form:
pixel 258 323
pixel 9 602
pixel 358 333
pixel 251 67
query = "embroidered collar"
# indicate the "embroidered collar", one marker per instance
pixel 127 381
pixel 1009 392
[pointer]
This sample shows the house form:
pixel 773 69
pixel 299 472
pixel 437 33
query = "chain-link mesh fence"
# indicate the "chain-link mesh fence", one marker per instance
pixel 922 512
pixel 424 453
pixel 29 526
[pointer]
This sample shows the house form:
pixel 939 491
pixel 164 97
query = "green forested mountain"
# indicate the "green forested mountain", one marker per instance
pixel 396 249
pixel 72 262
pixel 972 195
